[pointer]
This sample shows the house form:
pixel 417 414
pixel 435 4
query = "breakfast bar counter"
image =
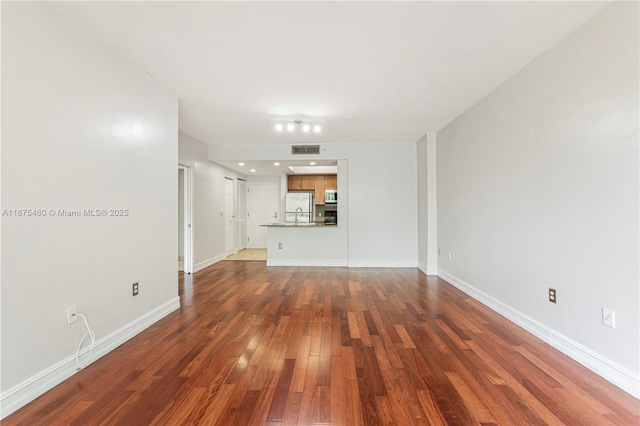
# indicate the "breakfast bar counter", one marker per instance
pixel 306 244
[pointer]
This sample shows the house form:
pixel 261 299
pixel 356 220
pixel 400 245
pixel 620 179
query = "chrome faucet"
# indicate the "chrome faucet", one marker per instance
pixel 299 208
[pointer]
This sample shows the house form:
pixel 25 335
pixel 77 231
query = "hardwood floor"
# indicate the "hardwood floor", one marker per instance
pixel 258 345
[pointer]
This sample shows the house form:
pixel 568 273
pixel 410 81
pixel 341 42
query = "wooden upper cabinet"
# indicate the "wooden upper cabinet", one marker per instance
pixel 316 183
pixel 331 182
pixel 308 182
pixel 301 182
pixel 294 182
pixel 319 190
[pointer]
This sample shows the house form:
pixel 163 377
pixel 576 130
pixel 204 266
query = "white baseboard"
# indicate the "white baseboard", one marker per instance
pixel 205 264
pixel 20 395
pixel 304 262
pixel 427 270
pixel 609 370
pixel 381 264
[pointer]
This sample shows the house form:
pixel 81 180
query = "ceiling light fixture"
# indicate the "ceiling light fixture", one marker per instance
pixel 253 170
pixel 276 164
pixel 240 164
pixel 313 163
pixel 298 124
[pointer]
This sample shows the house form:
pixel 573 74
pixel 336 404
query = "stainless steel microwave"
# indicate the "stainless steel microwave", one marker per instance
pixel 330 196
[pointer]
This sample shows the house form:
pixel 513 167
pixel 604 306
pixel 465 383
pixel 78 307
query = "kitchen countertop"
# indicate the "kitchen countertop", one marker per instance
pixel 299 225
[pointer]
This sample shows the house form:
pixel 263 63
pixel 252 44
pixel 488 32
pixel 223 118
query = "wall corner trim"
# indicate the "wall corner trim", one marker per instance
pixel 25 392
pixel 428 270
pixel 607 369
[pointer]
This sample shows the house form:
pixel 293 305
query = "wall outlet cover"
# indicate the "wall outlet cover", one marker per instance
pixel 609 317
pixel 72 314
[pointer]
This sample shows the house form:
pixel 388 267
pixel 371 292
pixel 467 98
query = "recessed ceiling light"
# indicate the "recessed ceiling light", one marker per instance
pixel 279 127
pixel 313 163
pixel 349 116
pixel 253 170
pixel 317 128
pixel 240 164
pixel 290 127
pixel 306 128
pixel 276 164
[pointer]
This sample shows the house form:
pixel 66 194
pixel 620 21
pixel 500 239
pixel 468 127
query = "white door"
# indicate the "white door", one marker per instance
pixel 242 215
pixel 186 217
pixel 263 203
pixel 228 216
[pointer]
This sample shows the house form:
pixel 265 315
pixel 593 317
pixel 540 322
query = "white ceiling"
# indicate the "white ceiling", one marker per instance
pixel 401 68
pixel 267 168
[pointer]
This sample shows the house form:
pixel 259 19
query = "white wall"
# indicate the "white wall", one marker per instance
pixel 380 181
pixel 421 158
pixel 538 187
pixel 181 213
pixel 432 205
pixel 82 129
pixel 208 199
pixel 427 211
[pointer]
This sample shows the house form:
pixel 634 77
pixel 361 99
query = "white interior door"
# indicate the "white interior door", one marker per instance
pixel 228 216
pixel 181 219
pixel 242 215
pixel 186 218
pixel 263 206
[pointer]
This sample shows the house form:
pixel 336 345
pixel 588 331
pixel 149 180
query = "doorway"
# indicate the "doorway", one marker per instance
pixel 263 201
pixel 242 215
pixel 185 219
pixel 229 216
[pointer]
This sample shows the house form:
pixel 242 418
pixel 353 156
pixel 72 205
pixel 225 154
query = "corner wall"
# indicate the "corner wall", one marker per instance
pixel 538 187
pixel 208 201
pixel 427 205
pixel 82 131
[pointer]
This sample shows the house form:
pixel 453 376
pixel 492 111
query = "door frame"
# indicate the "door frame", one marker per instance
pixel 232 248
pixel 187 192
pixel 241 243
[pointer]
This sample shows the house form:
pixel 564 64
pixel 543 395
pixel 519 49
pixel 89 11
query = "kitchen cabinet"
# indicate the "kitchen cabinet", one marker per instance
pixel 301 182
pixel 308 182
pixel 331 182
pixel 319 189
pixel 294 182
pixel 315 183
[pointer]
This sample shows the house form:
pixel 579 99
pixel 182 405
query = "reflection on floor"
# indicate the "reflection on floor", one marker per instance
pixel 249 254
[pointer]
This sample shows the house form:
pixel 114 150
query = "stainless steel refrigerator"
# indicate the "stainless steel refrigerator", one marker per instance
pixel 300 205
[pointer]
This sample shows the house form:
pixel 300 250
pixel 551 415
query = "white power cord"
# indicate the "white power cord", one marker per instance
pixel 92 336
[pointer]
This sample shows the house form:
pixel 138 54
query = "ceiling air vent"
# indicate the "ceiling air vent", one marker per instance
pixel 305 149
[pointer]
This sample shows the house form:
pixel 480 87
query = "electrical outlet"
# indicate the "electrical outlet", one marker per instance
pixel 552 295
pixel 134 289
pixel 279 245
pixel 72 316
pixel 609 317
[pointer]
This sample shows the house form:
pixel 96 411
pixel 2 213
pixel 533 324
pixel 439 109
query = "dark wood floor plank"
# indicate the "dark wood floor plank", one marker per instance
pixel 262 345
